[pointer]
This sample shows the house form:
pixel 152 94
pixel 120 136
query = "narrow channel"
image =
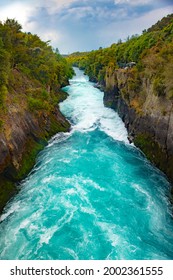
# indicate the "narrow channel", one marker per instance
pixel 91 194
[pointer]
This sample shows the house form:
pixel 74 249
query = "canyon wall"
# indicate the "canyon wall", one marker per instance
pixel 147 116
pixel 23 133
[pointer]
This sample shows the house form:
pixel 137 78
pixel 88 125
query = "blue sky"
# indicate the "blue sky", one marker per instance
pixel 84 25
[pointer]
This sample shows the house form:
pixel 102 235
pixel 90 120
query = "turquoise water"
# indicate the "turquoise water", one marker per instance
pixel 91 195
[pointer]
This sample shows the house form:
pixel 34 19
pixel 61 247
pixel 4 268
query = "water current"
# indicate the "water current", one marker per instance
pixel 91 195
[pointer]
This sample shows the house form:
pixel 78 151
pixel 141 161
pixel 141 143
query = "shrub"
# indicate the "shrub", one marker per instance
pixel 3 94
pixel 159 87
pixel 1 124
pixel 35 104
pixel 44 94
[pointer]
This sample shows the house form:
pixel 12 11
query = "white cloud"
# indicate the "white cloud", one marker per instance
pixel 22 10
pixel 54 6
pixel 83 25
pixel 133 2
pixel 51 35
pixel 18 11
pixel 77 13
pixel 116 30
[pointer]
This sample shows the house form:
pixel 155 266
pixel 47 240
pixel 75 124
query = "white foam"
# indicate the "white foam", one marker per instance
pixel 93 185
pixel 85 108
pixel 113 126
pixel 141 190
pixel 59 137
pixel 71 253
pixel 48 179
pixel 13 208
pixel 24 223
pixel 149 199
pixel 49 232
pixel 47 235
pixel 109 231
pixel 87 210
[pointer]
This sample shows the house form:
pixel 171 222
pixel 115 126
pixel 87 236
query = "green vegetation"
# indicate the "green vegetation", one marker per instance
pixel 31 77
pixel 152 150
pixel 34 59
pixel 28 161
pixel 7 190
pixel 151 54
pixel 140 72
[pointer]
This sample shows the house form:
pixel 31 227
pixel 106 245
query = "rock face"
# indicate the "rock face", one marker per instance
pixel 147 117
pixel 23 135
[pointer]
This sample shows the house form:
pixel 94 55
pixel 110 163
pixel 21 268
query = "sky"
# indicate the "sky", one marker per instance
pixel 84 25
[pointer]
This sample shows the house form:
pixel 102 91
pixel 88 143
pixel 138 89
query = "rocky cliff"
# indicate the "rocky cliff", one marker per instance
pixel 147 115
pixel 136 77
pixel 24 132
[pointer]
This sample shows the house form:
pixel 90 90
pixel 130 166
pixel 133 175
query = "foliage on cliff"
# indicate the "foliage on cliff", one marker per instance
pixel 31 75
pixel 137 79
pixel 35 60
pixel 152 54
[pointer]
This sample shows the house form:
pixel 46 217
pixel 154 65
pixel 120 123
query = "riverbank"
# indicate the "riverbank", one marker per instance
pixel 24 133
pixel 147 116
pixel 32 75
pixel 137 82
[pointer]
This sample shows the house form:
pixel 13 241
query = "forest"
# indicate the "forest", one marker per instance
pixel 36 60
pixel 32 74
pixel 136 77
pixel 151 55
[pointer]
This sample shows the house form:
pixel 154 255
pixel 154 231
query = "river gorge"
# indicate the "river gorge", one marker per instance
pixel 91 194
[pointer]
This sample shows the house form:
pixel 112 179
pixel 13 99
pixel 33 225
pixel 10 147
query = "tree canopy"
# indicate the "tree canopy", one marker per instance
pixel 152 53
pixel 34 58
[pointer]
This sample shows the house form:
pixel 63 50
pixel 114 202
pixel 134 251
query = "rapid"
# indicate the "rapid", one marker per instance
pixel 91 194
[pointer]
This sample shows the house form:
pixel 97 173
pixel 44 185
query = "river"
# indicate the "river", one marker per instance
pixel 91 194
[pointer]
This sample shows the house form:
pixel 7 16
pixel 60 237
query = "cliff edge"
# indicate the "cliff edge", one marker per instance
pixel 148 116
pixel 24 132
pixel 137 80
pixel 31 77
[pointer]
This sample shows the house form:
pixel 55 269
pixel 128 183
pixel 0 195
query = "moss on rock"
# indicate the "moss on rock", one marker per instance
pixel 151 149
pixel 7 190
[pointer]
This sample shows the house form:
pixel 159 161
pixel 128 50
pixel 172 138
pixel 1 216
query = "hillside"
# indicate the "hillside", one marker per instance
pixel 137 80
pixel 31 77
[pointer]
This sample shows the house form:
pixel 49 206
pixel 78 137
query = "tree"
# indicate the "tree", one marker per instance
pixel 13 25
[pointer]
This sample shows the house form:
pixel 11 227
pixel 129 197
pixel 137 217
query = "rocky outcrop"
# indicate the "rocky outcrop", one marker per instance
pixel 147 116
pixel 23 134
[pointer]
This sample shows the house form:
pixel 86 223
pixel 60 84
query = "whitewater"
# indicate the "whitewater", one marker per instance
pixel 91 194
